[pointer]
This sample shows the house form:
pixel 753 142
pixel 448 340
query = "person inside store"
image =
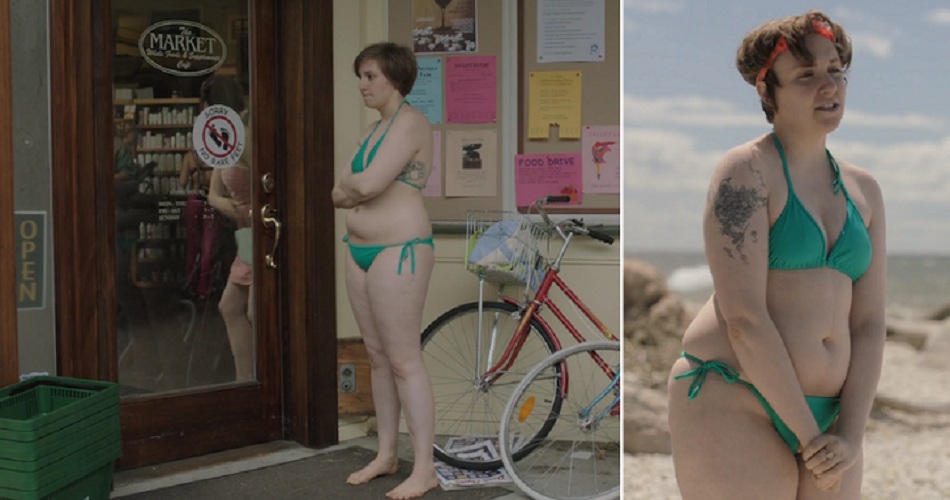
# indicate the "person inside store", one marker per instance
pixel 229 195
pixel 202 226
pixel 390 256
pixel 773 392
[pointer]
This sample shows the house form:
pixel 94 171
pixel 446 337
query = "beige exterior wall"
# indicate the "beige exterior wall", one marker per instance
pixel 591 268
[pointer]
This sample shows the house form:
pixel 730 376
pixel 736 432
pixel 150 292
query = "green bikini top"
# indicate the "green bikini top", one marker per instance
pixel 358 164
pixel 797 241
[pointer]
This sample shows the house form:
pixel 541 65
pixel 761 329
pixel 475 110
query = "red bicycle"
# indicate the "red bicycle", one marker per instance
pixel 477 353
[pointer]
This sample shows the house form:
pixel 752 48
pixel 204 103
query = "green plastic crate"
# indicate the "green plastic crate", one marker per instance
pixel 99 428
pixel 58 436
pixel 67 419
pixel 41 483
pixel 43 405
pixel 94 486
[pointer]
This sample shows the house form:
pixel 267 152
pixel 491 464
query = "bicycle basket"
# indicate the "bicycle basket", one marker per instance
pixel 505 248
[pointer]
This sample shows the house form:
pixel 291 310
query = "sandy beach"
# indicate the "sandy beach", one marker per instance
pixel 907 453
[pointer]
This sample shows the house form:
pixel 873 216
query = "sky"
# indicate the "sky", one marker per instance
pixel 685 105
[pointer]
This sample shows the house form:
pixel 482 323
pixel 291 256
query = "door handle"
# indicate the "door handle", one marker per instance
pixel 269 220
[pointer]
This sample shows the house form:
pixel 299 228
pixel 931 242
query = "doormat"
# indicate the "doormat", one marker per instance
pixel 321 476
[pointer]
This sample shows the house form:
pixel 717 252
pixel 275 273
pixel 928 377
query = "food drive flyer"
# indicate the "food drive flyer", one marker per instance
pixel 548 175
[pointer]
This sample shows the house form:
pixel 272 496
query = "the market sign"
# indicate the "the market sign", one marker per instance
pixel 183 48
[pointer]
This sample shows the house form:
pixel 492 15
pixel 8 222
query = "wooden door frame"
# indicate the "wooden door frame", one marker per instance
pixel 83 287
pixel 8 294
pixel 310 346
pixel 303 139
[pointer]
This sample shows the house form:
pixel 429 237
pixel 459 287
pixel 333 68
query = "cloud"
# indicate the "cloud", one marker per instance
pixel 909 172
pixel 858 118
pixel 938 16
pixel 664 160
pixel 878 45
pixel 690 111
pixel 697 111
pixel 656 6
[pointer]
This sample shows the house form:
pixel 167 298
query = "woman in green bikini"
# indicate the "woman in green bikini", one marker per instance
pixel 390 259
pixel 775 386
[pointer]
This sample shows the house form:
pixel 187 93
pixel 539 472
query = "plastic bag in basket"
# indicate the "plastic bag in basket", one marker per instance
pixel 505 246
pixel 497 246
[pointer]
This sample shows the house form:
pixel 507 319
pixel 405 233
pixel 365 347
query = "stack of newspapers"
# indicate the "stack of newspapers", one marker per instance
pixel 477 448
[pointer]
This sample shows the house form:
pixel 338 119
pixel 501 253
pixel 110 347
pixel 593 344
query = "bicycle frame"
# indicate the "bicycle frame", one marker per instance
pixel 533 310
pixel 614 406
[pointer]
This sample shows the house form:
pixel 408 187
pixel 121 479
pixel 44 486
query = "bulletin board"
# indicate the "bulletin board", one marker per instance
pixel 600 96
pixel 488 43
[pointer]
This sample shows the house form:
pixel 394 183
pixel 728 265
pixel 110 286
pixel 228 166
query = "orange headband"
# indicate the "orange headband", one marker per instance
pixel 820 27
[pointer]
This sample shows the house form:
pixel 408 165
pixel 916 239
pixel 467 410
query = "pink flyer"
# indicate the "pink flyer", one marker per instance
pixel 601 147
pixel 547 175
pixel 470 89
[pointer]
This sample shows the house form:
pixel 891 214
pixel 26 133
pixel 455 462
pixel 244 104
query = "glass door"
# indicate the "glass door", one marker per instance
pixel 197 371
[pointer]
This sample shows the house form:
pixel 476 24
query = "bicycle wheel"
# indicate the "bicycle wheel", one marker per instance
pixel 469 404
pixel 580 457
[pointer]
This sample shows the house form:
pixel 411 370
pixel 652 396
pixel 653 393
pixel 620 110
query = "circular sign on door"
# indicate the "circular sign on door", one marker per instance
pixel 218 136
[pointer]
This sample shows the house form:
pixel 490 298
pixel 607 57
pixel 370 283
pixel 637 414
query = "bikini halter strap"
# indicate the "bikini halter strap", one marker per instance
pixel 393 117
pixel 836 184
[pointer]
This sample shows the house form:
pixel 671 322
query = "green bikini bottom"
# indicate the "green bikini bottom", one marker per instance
pixel 364 255
pixel 825 409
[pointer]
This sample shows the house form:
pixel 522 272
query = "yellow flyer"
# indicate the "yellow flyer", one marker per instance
pixel 554 98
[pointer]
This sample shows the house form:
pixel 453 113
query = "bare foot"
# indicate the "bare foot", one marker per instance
pixel 378 467
pixel 416 485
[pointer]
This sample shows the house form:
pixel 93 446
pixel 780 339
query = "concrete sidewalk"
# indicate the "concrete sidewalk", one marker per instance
pixel 265 459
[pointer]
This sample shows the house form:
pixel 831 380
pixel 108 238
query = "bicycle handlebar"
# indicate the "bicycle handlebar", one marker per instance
pixel 597 235
pixel 575 226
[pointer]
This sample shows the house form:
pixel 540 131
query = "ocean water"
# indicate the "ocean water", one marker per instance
pixel 917 285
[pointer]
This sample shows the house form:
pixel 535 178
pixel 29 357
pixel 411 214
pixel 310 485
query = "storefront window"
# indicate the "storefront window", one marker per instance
pixel 183 194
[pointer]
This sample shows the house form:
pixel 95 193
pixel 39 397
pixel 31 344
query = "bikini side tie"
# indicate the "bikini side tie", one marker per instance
pixel 699 373
pixel 409 250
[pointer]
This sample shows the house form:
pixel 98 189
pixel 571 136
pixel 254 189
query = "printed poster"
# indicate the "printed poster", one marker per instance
pixel 554 98
pixel 470 89
pixel 471 163
pixel 440 26
pixel 601 149
pixel 571 30
pixel 426 94
pixel 433 188
pixel 537 176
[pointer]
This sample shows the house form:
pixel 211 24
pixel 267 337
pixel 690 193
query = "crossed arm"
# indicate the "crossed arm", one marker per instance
pixel 391 160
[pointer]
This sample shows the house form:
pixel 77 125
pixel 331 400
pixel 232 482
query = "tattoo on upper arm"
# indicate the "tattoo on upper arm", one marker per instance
pixel 733 207
pixel 415 171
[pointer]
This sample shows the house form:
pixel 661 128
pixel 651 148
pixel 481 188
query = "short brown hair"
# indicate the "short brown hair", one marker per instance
pixel 397 63
pixel 757 46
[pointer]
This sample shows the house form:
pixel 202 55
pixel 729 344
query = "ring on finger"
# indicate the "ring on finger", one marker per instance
pixel 830 455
